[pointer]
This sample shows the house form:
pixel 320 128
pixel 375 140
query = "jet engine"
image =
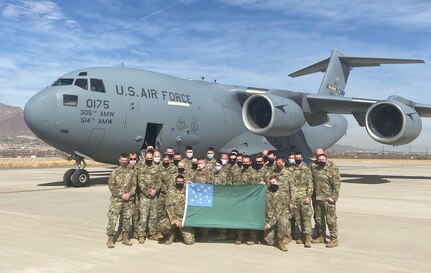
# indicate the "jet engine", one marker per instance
pixel 392 122
pixel 272 115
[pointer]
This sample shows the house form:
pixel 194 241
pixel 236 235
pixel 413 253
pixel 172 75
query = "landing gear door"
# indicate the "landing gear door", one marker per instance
pixel 153 135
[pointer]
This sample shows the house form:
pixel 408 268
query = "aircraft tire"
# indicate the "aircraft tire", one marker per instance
pixel 67 177
pixel 81 178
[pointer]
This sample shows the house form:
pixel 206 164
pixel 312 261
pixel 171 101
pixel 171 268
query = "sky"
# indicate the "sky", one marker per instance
pixel 242 42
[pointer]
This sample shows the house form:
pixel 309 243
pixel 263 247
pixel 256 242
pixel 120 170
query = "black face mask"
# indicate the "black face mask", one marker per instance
pixel 176 161
pixel 239 163
pixel 298 161
pixel 179 185
pixel 265 158
pixel 321 163
pixel 245 166
pixel 170 156
pixel 195 166
pixel 271 160
pixel 232 161
pixel 181 170
pixel 148 162
pixel 165 164
pixel 259 166
pixel 273 187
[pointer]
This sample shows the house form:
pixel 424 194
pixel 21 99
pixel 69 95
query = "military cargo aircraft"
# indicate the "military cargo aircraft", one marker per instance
pixel 98 113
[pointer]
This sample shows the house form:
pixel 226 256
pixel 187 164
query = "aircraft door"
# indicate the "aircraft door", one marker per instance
pixel 153 135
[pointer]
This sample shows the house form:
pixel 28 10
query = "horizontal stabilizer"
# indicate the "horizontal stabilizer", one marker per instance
pixel 352 62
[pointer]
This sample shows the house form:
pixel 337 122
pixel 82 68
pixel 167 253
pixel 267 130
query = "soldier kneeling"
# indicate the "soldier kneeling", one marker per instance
pixel 175 202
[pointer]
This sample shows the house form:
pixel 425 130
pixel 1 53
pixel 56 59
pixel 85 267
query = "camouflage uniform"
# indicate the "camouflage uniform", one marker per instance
pixel 120 182
pixel 327 184
pixel 166 184
pixel 263 174
pixel 219 178
pixel 301 187
pixel 148 178
pixel 275 210
pixel 234 174
pixel 285 177
pixel 175 202
pixel 210 164
pixel 187 163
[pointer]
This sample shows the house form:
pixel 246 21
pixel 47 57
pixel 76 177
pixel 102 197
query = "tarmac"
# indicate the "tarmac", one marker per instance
pixel 384 217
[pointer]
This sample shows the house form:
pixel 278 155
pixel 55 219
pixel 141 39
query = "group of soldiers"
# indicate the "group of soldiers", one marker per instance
pixel 149 192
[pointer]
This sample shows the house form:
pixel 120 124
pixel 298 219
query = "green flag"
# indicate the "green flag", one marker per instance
pixel 225 206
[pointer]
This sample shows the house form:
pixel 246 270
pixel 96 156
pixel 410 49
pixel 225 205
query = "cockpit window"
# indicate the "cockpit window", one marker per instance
pixel 83 83
pixel 97 85
pixel 63 81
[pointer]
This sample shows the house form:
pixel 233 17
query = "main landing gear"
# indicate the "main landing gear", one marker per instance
pixel 77 177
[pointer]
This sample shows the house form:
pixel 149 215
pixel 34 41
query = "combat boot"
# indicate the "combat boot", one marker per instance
pixel 110 242
pixel 126 240
pixel 332 243
pixel 300 240
pixel 287 239
pixel 135 235
pixel 170 239
pixel 239 239
pixel 319 240
pixel 120 237
pixel 307 243
pixel 141 239
pixel 253 238
pixel 153 237
pixel 282 246
pixel 159 235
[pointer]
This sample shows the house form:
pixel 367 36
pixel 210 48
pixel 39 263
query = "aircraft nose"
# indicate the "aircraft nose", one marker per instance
pixel 40 113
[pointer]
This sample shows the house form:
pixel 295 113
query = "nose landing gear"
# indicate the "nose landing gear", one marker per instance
pixel 78 177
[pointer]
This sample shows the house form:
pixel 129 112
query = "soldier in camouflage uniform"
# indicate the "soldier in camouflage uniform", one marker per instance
pixel 188 158
pixel 175 202
pixel 234 170
pixel 301 190
pixel 261 169
pixel 122 186
pixel 285 177
pixel 210 159
pixel 327 187
pixel 202 176
pixel 166 170
pixel 181 169
pixel 219 177
pixel 177 158
pixel 149 182
pixel 194 167
pixel 275 220
pixel 270 165
pixel 249 176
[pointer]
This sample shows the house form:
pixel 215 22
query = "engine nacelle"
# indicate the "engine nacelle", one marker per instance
pixel 392 122
pixel 271 115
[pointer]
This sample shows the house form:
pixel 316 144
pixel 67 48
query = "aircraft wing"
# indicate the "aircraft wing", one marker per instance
pixel 322 104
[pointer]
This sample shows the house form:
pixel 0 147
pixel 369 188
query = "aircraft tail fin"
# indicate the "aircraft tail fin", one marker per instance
pixel 337 68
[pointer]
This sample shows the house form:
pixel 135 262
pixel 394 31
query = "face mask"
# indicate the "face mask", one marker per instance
pixel 179 185
pixel 217 168
pixel 171 156
pixel 232 161
pixel 133 162
pixel 321 163
pixel 274 187
pixel 176 162
pixel 298 161
pixel 239 163
pixel 259 166
pixel 157 159
pixel 148 162
pixel 194 166
pixel 245 166
pixel 210 156
pixel 265 158
pixel 223 161
pixel 181 170
pixel 189 155
pixel 271 160
pixel 291 161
